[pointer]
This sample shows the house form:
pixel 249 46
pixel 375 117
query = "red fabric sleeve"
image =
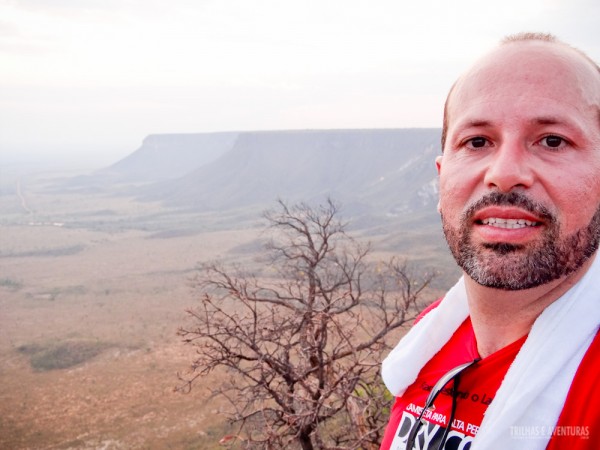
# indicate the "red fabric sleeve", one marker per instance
pixel 429 308
pixel 578 427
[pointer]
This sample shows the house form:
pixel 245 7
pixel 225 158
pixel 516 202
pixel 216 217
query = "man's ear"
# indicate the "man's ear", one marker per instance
pixel 438 166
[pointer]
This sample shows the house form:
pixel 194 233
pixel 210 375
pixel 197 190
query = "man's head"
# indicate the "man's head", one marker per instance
pixel 520 170
pixel 549 39
pixel 518 38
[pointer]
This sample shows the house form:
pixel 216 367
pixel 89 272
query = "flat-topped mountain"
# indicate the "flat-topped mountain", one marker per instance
pixel 384 180
pixel 391 170
pixel 377 172
pixel 164 156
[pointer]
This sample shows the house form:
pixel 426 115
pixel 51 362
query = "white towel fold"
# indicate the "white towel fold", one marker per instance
pixel 535 387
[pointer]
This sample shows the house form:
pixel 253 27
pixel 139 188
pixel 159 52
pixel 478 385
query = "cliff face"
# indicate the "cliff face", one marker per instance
pixel 392 171
pixel 371 172
pixel 384 180
pixel 166 156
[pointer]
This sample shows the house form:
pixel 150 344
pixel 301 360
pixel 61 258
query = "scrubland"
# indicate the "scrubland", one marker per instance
pixel 93 288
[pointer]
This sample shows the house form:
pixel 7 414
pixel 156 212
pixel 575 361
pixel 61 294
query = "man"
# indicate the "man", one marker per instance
pixel 509 358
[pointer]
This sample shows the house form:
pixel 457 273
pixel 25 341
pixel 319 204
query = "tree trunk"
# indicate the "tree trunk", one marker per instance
pixel 305 441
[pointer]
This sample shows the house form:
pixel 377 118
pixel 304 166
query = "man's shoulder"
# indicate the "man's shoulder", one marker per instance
pixel 578 426
pixel 428 309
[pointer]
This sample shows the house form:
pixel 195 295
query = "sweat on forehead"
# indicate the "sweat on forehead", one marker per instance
pixel 533 56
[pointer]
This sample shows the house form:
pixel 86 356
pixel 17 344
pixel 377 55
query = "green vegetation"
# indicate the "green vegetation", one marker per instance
pixel 11 283
pixel 61 355
pixel 46 252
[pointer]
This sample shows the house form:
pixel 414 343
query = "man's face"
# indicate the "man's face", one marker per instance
pixel 520 172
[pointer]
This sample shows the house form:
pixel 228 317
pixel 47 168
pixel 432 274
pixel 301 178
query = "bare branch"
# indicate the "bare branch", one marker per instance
pixel 302 350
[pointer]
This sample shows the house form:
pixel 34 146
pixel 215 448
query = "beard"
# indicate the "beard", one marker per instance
pixel 515 266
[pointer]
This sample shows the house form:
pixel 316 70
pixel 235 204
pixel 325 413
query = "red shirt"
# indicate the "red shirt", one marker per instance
pixel 578 427
pixel 477 388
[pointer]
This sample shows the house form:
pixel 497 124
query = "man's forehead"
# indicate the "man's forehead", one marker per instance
pixel 535 63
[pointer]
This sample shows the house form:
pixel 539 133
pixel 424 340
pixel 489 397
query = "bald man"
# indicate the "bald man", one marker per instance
pixel 509 358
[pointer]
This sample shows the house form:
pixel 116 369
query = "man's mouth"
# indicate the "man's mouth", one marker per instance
pixel 508 211
pixel 508 223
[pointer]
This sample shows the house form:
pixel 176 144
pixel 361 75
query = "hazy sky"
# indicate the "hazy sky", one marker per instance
pixel 87 80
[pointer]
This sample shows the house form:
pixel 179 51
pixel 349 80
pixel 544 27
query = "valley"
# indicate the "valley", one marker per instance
pixel 94 284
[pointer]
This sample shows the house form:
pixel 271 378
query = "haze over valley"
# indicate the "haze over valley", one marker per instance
pixel 96 268
pixel 110 198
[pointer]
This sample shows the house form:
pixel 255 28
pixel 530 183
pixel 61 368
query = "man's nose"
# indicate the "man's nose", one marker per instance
pixel 509 168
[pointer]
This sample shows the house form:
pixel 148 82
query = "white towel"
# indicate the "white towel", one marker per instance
pixel 535 387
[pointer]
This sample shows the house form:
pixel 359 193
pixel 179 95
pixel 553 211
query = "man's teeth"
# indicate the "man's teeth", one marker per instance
pixel 508 223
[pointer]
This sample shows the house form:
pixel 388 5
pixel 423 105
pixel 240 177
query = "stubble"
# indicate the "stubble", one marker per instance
pixel 515 267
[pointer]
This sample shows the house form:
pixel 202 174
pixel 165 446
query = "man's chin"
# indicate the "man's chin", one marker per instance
pixel 503 248
pixel 504 267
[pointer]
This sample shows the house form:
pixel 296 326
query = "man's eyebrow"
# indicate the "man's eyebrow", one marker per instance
pixel 546 120
pixel 476 124
pixel 558 120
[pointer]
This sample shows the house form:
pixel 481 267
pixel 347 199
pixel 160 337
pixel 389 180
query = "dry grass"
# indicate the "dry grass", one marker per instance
pixel 89 313
pixel 88 348
pixel 88 352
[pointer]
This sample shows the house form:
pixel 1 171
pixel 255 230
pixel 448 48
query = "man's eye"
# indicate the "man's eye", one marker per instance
pixel 477 142
pixel 553 141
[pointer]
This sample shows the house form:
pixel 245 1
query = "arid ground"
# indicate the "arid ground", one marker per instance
pixel 93 288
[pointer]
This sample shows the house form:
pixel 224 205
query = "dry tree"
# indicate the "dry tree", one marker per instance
pixel 302 347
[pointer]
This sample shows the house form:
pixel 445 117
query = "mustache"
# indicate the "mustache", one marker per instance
pixel 517 199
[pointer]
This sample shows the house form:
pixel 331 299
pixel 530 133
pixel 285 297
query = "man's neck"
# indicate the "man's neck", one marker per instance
pixel 500 317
